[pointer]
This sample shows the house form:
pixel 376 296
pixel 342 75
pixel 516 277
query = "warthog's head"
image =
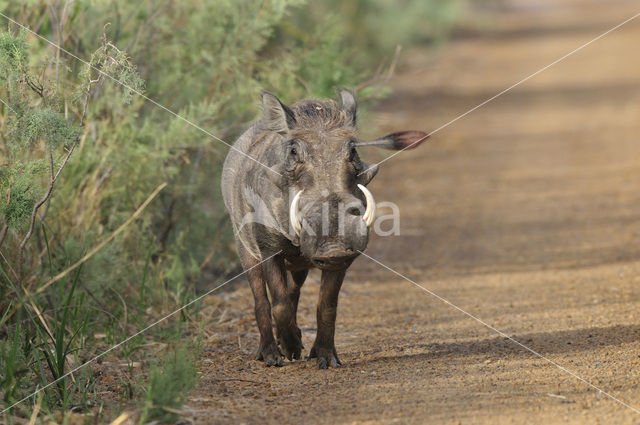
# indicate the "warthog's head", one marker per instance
pixel 331 210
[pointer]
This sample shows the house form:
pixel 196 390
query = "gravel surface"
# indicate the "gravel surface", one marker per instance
pixel 525 214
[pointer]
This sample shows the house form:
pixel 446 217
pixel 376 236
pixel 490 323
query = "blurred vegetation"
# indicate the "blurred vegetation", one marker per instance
pixel 169 384
pixel 378 26
pixel 80 155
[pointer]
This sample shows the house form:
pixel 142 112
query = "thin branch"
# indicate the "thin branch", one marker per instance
pixel 42 217
pixel 394 63
pixel 46 207
pixel 3 233
pixel 32 223
pixel 105 176
pixel 51 167
pixel 38 88
pixel 64 161
pixel 377 77
pixel 38 205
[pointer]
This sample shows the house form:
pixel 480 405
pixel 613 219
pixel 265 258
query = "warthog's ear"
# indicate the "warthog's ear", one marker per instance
pixel 398 141
pixel 277 116
pixel 349 106
pixel 367 174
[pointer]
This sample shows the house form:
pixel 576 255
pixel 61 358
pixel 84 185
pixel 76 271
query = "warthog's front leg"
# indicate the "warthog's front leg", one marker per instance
pixel 268 350
pixel 324 348
pixel 284 309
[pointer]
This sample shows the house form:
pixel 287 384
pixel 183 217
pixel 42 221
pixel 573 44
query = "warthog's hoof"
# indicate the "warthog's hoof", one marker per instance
pixel 326 357
pixel 290 341
pixel 270 355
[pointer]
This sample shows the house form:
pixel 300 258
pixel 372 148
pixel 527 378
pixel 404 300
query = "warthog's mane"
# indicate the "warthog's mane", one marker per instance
pixel 316 113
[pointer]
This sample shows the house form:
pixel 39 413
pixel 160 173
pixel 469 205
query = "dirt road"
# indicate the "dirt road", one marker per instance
pixel 525 213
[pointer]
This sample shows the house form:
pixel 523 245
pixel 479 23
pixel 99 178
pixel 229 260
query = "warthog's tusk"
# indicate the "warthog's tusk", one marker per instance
pixel 370 212
pixel 296 224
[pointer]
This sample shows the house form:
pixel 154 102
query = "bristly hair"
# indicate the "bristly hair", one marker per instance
pixel 319 113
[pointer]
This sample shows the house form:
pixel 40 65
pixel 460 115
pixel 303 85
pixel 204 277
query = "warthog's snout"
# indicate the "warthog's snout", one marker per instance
pixel 331 229
pixel 335 257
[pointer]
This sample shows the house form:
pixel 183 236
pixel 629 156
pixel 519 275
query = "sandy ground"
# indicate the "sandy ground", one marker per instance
pixel 525 213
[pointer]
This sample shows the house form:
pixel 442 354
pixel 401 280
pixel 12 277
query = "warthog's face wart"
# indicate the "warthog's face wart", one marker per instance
pixel 331 209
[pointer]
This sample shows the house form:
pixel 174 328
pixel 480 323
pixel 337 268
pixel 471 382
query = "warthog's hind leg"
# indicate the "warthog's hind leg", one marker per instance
pixel 268 350
pixel 295 282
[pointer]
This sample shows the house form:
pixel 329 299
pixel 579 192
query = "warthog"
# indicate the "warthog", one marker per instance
pixel 295 189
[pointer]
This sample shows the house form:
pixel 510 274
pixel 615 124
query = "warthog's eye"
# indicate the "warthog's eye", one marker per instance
pixel 294 153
